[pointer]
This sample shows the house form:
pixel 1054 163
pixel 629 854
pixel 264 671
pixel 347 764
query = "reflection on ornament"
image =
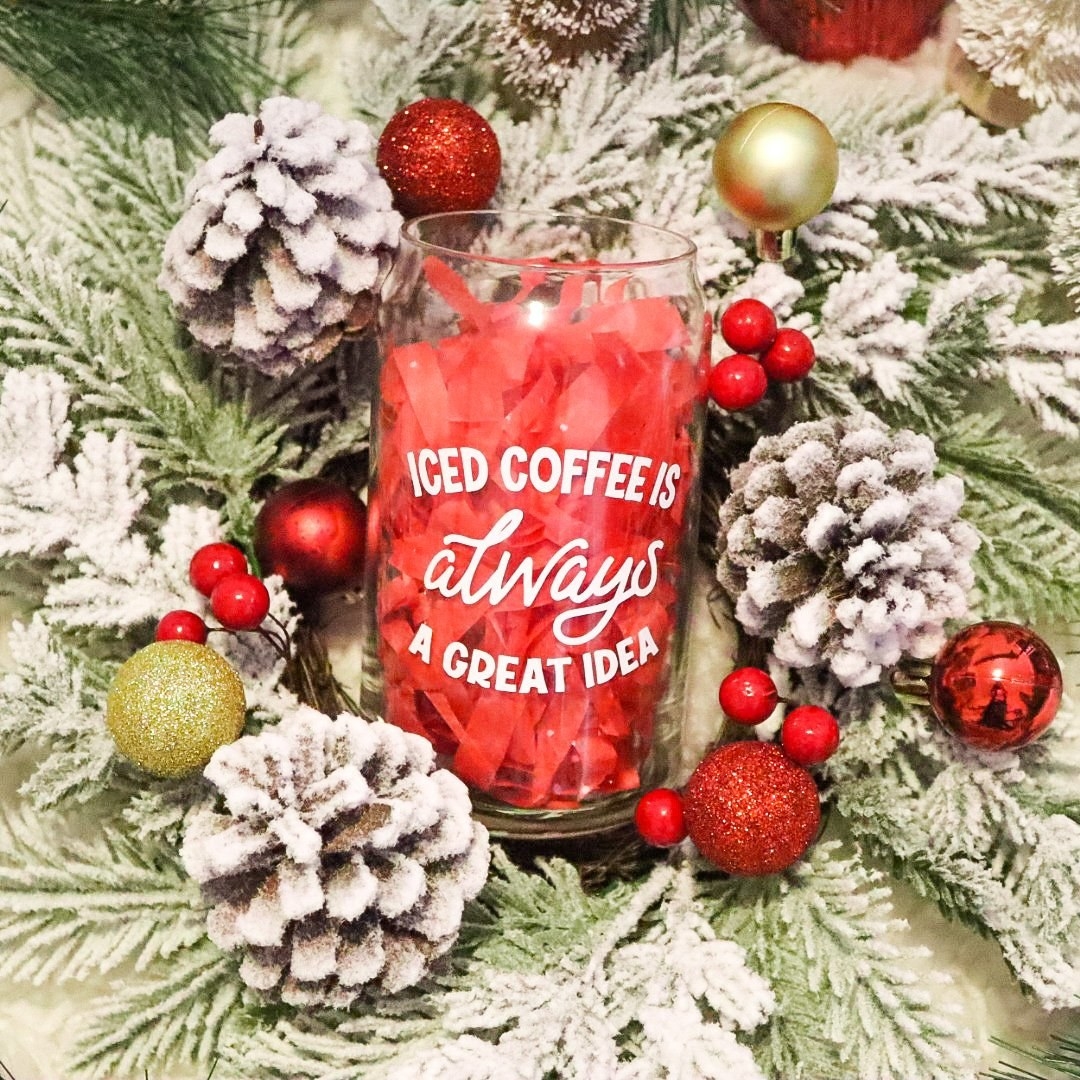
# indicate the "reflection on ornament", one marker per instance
pixel 172 705
pixel 750 810
pixel 1001 106
pixel 995 685
pixel 775 166
pixel 845 29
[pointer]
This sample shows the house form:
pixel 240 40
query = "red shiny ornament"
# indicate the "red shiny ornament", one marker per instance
pixel 181 625
pixel 790 357
pixel 809 735
pixel 437 155
pixel 212 562
pixel 240 602
pixel 845 29
pixel 750 810
pixel 748 326
pixel 995 685
pixel 737 382
pixel 313 533
pixel 748 695
pixel 659 818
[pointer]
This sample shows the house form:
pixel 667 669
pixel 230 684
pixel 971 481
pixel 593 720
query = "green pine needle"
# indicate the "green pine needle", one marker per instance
pixel 1060 1058
pixel 108 58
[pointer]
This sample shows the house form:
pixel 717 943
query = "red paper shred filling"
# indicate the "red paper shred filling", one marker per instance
pixel 615 376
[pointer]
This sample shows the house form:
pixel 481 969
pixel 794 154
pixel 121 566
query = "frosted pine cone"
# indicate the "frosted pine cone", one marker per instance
pixel 343 859
pixel 838 543
pixel 540 41
pixel 281 236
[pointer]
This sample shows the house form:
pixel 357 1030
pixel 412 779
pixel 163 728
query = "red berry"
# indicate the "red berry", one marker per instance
pixel 240 602
pixel 737 382
pixel 748 326
pixel 809 735
pixel 789 357
pixel 659 817
pixel 212 562
pixel 181 625
pixel 748 695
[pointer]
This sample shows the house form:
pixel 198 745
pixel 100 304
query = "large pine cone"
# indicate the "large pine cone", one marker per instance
pixel 839 545
pixel 343 858
pixel 281 238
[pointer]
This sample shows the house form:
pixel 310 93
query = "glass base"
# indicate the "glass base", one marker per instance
pixel 606 815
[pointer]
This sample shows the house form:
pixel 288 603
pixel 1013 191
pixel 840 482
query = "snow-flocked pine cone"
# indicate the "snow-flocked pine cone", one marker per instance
pixel 281 236
pixel 539 42
pixel 342 859
pixel 839 545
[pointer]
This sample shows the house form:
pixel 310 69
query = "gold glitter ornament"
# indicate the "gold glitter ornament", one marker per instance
pixel 775 166
pixel 172 705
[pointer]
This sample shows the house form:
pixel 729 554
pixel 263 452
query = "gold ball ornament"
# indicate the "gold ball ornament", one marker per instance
pixel 775 166
pixel 172 705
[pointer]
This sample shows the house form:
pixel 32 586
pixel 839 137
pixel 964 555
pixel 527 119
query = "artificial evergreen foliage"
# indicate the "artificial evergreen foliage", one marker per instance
pixel 938 287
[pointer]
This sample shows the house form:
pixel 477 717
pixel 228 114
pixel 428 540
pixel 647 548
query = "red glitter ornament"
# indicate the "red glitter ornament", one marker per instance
pixel 737 382
pixel 659 818
pixel 748 695
pixel 809 735
pixel 995 685
pixel 845 29
pixel 750 810
pixel 438 154
pixel 313 533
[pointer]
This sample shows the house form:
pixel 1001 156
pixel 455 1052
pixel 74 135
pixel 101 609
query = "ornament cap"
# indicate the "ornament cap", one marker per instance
pixel 774 246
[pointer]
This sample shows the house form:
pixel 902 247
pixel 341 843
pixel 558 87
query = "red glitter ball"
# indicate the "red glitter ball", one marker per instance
pixel 750 810
pixel 438 155
pixel 845 29
pixel 995 685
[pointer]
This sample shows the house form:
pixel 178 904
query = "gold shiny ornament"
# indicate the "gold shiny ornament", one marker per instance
pixel 1000 106
pixel 172 705
pixel 775 166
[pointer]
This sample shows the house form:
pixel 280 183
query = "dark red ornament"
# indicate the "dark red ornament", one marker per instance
pixel 181 625
pixel 748 326
pixel 748 695
pixel 750 810
pixel 313 533
pixel 659 818
pixel 790 357
pixel 240 602
pixel 737 382
pixel 809 735
pixel 844 29
pixel 212 562
pixel 438 154
pixel 995 685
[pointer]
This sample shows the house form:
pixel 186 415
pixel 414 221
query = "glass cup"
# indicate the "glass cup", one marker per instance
pixel 536 438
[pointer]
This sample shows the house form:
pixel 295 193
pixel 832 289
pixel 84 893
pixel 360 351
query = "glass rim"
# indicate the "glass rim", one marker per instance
pixel 688 247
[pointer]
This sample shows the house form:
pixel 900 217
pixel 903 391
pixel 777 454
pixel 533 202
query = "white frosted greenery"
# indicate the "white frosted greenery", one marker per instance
pixel 123 447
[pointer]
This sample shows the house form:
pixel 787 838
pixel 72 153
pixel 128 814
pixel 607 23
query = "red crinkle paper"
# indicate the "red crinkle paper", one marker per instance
pixel 613 375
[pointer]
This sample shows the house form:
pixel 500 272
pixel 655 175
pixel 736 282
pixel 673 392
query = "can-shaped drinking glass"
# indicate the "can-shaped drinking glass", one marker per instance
pixel 536 435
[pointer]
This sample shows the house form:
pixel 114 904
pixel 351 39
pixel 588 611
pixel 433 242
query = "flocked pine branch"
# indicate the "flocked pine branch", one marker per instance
pixel 857 1008
pixel 75 907
pixel 1032 47
pixel 174 1014
pixel 1065 251
pixel 953 827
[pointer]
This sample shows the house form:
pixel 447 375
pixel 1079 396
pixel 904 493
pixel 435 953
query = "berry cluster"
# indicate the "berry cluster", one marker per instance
pixel 809 736
pixel 238 599
pixel 762 352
